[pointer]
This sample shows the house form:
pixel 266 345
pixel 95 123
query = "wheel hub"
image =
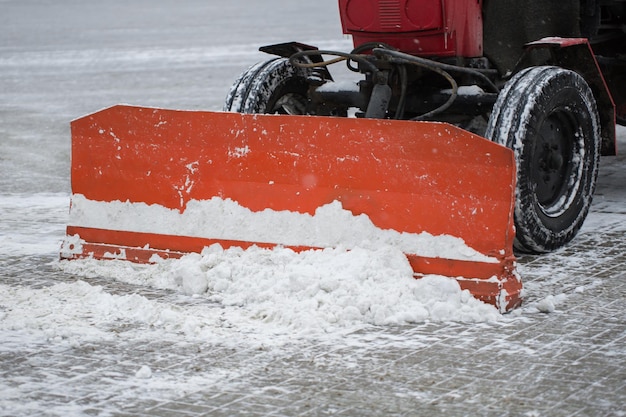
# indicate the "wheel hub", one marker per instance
pixel 552 160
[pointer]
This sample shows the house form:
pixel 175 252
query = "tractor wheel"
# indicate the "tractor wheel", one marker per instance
pixel 271 87
pixel 548 117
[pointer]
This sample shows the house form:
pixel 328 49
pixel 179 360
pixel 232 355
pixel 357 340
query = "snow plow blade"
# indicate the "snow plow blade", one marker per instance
pixel 149 182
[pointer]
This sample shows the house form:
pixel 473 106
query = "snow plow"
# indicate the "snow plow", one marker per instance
pixel 449 147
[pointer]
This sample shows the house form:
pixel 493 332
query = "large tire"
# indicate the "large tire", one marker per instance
pixel 271 87
pixel 548 117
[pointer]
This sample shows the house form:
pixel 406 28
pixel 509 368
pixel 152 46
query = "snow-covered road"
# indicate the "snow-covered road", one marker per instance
pixel 259 332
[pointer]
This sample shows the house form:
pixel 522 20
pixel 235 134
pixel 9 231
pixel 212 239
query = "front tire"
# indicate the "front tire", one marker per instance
pixel 548 117
pixel 271 87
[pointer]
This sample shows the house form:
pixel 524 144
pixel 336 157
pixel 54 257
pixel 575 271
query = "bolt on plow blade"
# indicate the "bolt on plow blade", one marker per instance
pixel 149 182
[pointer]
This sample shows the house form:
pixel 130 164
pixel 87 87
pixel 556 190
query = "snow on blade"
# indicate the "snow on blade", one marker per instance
pixel 330 226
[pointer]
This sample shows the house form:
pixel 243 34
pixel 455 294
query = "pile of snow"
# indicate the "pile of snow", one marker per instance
pixel 319 289
pixel 362 279
pixel 281 291
pixel 259 292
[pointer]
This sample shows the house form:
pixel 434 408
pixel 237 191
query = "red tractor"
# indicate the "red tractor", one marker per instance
pixel 544 78
pixel 479 126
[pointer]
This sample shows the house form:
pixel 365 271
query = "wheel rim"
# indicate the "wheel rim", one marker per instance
pixel 553 163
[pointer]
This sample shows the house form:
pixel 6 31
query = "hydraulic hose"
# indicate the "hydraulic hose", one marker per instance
pixel 383 51
pixel 341 56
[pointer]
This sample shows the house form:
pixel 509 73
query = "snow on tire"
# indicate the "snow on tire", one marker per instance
pixel 548 116
pixel 274 86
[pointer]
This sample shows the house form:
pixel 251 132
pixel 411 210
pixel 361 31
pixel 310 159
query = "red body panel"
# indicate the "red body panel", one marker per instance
pixel 419 27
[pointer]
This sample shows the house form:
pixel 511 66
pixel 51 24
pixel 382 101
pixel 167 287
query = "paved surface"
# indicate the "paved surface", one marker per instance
pixel 569 362
pixel 60 60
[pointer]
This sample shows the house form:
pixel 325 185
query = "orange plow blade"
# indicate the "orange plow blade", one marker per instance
pixel 160 182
